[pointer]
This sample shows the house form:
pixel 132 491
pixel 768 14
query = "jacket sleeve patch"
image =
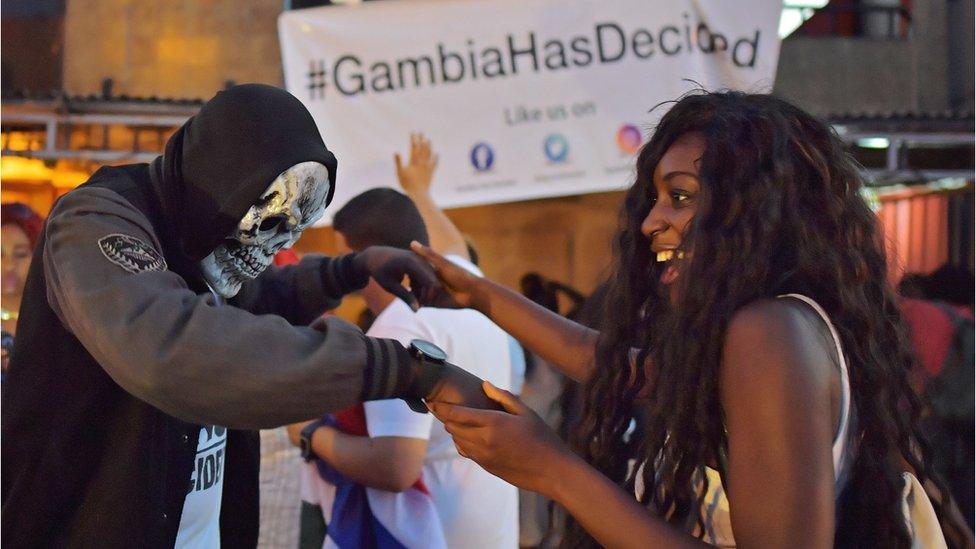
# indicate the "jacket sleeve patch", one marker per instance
pixel 131 253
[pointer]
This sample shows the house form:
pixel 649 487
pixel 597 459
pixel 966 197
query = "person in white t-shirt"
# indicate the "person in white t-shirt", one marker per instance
pixel 475 508
pixel 415 178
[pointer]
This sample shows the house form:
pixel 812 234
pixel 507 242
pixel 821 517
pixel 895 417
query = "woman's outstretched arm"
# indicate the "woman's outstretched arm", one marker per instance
pixel 518 447
pixel 568 346
pixel 777 384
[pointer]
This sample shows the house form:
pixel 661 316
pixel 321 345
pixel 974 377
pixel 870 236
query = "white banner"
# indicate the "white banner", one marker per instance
pixel 520 98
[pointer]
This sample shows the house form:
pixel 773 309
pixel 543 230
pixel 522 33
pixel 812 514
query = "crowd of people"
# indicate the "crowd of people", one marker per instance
pixel 745 376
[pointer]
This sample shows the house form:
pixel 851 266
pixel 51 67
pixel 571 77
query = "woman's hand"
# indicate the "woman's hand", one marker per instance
pixel 515 445
pixel 390 266
pixel 461 286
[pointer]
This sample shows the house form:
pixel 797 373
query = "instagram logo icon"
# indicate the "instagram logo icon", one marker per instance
pixel 628 139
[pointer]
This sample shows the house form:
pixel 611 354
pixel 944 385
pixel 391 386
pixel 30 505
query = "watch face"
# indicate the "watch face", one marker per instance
pixel 432 351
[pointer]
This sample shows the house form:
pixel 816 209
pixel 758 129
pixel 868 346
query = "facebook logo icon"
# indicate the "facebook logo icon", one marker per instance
pixel 482 157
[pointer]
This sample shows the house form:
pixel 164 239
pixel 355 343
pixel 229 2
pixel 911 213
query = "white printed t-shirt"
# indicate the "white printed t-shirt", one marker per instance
pixel 200 521
pixel 476 508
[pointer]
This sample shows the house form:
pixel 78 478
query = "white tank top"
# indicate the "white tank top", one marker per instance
pixel 715 508
pixel 841 446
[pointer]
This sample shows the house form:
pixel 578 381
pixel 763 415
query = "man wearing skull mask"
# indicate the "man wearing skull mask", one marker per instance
pixel 152 335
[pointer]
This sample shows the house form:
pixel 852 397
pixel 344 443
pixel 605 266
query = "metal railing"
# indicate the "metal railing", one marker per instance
pixel 49 135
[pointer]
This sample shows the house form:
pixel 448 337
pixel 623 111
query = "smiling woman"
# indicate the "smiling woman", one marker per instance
pixel 677 187
pixel 750 318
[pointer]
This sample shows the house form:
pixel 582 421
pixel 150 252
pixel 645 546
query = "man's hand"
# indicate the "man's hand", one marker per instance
pixel 453 385
pixel 416 176
pixel 389 266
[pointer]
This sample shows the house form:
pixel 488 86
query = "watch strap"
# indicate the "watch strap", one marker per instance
pixel 306 439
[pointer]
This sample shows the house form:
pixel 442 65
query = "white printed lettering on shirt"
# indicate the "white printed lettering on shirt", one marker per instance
pixel 200 522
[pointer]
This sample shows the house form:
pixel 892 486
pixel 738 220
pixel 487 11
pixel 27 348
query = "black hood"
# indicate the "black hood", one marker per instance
pixel 221 160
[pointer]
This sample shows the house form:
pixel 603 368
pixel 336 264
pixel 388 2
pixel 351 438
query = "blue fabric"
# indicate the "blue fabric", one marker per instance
pixel 352 524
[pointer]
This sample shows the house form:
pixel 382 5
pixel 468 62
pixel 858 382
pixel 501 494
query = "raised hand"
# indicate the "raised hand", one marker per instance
pixel 461 286
pixel 415 177
pixel 388 266
pixel 514 444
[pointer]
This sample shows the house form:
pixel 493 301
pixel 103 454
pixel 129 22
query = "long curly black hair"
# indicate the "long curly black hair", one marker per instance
pixel 780 211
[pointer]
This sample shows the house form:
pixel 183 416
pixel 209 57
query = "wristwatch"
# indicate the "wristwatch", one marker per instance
pixel 305 439
pixel 429 355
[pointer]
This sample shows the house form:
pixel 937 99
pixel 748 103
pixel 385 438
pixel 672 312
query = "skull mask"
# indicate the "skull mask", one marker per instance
pixel 292 202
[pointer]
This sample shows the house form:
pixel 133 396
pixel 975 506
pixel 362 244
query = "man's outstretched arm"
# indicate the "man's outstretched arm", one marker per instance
pixel 192 358
pixel 301 293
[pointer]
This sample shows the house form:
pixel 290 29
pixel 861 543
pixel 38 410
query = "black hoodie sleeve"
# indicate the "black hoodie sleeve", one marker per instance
pixel 299 293
pixel 182 353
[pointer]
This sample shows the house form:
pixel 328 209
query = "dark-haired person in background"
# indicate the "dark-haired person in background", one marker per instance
pixel 153 336
pixel 938 308
pixel 21 227
pixel 951 284
pixel 750 312
pixel 418 488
